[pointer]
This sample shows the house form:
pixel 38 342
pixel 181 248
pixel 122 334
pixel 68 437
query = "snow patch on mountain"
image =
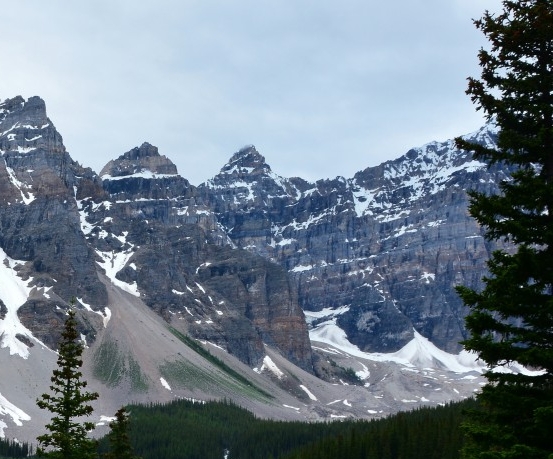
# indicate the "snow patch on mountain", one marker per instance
pixel 9 409
pixel 87 227
pixel 143 174
pixel 363 200
pixel 106 315
pixel 269 365
pixel 325 313
pixel 113 262
pixel 308 392
pixel 26 196
pixel 165 384
pixel 14 293
pixel 418 353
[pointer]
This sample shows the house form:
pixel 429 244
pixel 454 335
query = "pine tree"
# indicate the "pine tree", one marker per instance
pixel 67 437
pixel 511 319
pixel 119 437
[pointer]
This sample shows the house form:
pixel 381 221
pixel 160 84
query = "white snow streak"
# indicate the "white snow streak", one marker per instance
pixel 105 316
pixel 165 384
pixel 9 409
pixel 268 364
pixel 14 293
pixel 113 262
pixel 308 392
pixel 26 196
pixel 145 174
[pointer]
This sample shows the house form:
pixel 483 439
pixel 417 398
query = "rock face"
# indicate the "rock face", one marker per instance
pixel 238 260
pixel 377 255
pixel 243 264
pixel 39 221
pixel 173 254
pixel 143 159
pixel 145 228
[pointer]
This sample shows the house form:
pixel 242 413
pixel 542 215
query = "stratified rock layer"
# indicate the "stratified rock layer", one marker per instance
pixel 39 219
pixel 146 228
pixel 377 255
pixel 236 260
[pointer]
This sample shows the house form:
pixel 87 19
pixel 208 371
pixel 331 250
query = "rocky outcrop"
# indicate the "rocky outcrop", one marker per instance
pixel 39 221
pixel 170 250
pixel 378 254
pixel 143 226
pixel 140 160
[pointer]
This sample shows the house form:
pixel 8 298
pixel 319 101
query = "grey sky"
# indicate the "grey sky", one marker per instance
pixel 322 88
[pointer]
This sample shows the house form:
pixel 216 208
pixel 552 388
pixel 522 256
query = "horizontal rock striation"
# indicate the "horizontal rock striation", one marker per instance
pixel 377 255
pixel 39 220
pixel 144 227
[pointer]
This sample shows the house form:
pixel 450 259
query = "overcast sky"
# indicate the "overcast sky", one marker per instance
pixel 321 88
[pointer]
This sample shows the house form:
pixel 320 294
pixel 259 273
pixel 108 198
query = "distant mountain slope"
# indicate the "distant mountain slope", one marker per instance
pixel 380 252
pixel 218 291
pixel 142 224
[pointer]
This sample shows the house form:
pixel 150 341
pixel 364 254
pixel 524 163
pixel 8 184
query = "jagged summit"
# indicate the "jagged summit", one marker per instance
pixel 144 160
pixel 143 151
pixel 25 127
pixel 246 161
pixel 9 105
pixel 32 111
pixel 248 178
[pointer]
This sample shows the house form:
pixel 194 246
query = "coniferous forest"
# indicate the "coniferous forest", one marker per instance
pixel 187 430
pixel 13 449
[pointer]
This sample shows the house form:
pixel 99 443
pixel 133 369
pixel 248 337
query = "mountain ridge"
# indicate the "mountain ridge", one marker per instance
pixel 253 266
pixel 354 227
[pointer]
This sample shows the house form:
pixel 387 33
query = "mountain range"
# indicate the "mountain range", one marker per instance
pixel 296 299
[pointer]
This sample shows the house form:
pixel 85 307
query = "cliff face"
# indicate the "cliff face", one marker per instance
pixel 238 260
pixel 244 263
pixel 144 227
pixel 377 255
pixel 174 255
pixel 39 219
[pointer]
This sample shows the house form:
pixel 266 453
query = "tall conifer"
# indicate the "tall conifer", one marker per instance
pixel 120 442
pixel 67 437
pixel 512 318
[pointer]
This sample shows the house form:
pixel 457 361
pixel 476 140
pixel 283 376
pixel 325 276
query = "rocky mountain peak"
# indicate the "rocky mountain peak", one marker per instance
pixel 144 160
pixel 246 161
pixel 31 112
pixel 143 151
pixel 25 127
pixel 249 181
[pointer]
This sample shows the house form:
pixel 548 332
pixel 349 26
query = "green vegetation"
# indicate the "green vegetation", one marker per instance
pixel 118 438
pixel 511 320
pixel 184 375
pixel 139 381
pixel 110 366
pixel 108 363
pixel 68 402
pixel 190 376
pixel 184 429
pixel 13 449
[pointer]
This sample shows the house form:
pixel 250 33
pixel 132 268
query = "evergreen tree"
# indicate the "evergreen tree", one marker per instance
pixel 67 437
pixel 119 437
pixel 511 319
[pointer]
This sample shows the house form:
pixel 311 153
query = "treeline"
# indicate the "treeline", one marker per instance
pixel 429 433
pixel 13 449
pixel 186 430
